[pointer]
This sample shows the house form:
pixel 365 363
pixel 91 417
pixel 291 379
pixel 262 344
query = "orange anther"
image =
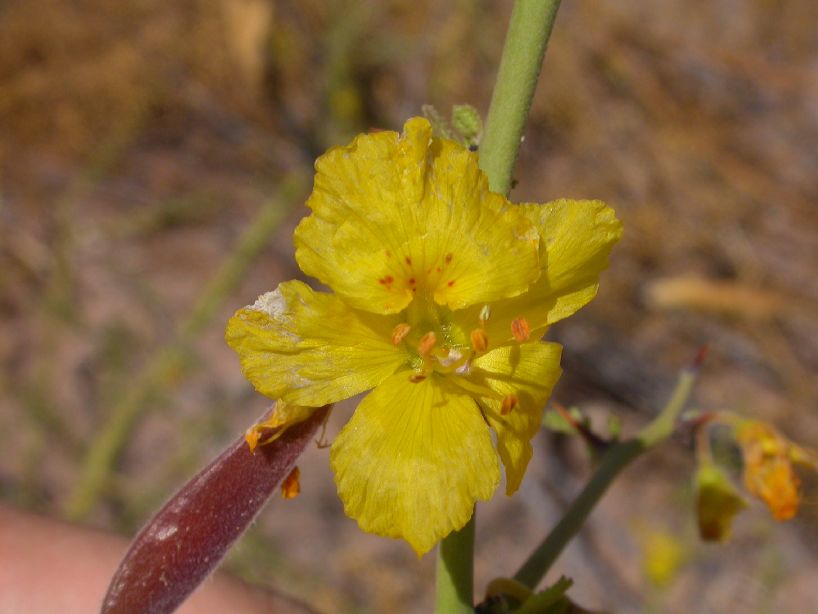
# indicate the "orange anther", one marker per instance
pixel 509 402
pixel 417 377
pixel 251 437
pixel 479 340
pixel 291 487
pixel 520 329
pixel 399 333
pixel 427 342
pixel 258 435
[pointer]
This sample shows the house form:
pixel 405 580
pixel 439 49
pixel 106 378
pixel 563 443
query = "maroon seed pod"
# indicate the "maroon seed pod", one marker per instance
pixel 184 542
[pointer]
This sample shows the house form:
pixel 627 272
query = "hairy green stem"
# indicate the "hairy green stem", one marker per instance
pixel 526 40
pixel 99 462
pixel 612 463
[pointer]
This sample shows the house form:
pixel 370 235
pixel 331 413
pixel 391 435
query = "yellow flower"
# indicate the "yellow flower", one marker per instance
pixel 442 291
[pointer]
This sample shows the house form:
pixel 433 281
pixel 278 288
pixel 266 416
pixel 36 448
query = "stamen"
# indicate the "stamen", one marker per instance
pixel 427 342
pixel 399 333
pixel 520 329
pixel 509 402
pixel 251 437
pixel 258 435
pixel 479 340
pixel 417 377
pixel 291 487
pixel 485 314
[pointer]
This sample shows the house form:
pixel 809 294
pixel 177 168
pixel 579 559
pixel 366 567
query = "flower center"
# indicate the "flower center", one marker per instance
pixel 435 342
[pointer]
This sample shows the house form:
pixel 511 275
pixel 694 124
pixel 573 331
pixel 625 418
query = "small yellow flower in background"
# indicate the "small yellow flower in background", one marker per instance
pixel 442 291
pixel 769 473
pixel 663 555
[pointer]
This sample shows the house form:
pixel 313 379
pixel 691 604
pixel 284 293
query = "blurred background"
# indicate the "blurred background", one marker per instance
pixel 155 157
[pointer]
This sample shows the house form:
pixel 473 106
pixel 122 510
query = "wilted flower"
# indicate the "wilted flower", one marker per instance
pixel 442 291
pixel 769 473
pixel 717 503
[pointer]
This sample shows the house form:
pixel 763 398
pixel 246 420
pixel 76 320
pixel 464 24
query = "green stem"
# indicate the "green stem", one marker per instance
pixel 526 40
pixel 614 461
pixel 528 34
pixel 455 572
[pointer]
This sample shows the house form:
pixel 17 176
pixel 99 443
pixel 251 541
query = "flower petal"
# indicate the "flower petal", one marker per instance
pixel 309 348
pixel 528 371
pixel 398 215
pixel 272 427
pixel 413 460
pixel 576 237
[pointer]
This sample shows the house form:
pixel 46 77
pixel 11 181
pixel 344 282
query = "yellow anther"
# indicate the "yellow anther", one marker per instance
pixel 291 486
pixel 399 333
pixel 427 342
pixel 509 402
pixel 479 340
pixel 520 329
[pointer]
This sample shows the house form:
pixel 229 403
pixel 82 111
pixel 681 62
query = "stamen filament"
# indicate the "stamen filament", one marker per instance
pixel 471 386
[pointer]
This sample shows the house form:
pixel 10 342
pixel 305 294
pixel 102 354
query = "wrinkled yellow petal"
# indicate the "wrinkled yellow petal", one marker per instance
pixel 413 460
pixel 309 348
pixel 397 216
pixel 576 237
pixel 529 371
